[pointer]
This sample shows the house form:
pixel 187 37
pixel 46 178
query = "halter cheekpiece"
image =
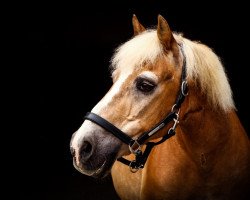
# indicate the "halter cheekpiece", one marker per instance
pixel 135 144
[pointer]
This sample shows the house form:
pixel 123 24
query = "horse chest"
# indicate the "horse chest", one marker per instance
pixel 150 184
pixel 126 183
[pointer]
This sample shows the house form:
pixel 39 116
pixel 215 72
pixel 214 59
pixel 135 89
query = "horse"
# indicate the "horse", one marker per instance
pixel 168 127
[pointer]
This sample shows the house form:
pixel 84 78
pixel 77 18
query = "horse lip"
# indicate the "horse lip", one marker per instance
pixel 104 169
pixel 99 170
pixel 78 168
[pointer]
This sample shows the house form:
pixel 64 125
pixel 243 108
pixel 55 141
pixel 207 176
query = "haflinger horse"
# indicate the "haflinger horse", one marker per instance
pixel 168 127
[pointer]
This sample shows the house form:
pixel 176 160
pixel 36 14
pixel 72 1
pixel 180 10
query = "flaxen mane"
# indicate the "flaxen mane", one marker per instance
pixel 203 65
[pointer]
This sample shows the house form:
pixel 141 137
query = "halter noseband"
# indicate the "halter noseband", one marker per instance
pixel 135 144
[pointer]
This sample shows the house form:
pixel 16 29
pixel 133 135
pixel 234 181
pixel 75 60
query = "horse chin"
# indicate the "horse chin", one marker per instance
pixel 99 171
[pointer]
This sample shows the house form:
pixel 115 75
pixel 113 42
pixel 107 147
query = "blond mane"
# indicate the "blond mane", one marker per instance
pixel 203 65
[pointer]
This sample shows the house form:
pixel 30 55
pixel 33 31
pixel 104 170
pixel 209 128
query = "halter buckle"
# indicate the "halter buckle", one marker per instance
pixel 135 147
pixel 176 122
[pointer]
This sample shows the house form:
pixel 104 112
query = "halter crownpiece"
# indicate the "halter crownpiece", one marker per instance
pixel 135 144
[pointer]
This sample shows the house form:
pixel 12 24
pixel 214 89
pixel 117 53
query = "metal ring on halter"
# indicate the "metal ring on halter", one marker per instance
pixel 171 129
pixel 183 88
pixel 133 169
pixel 136 150
pixel 175 109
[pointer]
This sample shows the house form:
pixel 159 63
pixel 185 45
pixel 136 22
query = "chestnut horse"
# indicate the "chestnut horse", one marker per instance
pixel 168 127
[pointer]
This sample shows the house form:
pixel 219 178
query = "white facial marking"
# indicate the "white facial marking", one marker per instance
pixel 109 96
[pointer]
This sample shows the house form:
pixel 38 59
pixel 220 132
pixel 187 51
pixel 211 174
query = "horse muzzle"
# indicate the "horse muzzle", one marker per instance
pixel 94 154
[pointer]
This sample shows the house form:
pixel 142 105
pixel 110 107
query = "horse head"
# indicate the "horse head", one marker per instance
pixel 146 73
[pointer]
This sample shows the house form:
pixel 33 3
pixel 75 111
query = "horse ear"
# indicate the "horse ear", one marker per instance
pixel 165 34
pixel 138 28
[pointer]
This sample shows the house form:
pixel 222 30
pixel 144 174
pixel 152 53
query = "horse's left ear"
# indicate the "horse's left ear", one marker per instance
pixel 165 34
pixel 138 28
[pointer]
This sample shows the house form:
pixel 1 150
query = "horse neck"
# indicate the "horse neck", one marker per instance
pixel 205 128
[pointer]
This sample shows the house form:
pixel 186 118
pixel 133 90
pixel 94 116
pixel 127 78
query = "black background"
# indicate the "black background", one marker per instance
pixel 60 71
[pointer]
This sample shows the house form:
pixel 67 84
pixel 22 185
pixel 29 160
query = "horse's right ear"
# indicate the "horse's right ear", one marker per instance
pixel 138 28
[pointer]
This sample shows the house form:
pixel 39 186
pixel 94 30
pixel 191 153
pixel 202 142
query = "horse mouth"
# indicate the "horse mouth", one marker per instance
pixel 93 173
pixel 101 171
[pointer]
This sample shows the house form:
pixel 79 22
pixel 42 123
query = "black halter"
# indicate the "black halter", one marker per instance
pixel 135 144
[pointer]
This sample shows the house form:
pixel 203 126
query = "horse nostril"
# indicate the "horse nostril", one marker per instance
pixel 86 150
pixel 86 147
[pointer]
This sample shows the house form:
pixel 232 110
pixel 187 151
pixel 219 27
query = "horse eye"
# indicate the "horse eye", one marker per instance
pixel 144 85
